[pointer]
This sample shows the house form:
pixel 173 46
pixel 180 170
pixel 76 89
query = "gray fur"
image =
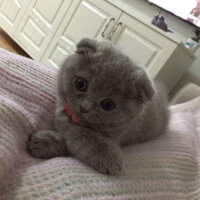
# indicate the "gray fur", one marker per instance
pixel 140 114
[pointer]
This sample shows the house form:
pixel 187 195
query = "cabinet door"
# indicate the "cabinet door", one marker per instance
pixel 86 18
pixel 40 22
pixel 146 46
pixel 11 11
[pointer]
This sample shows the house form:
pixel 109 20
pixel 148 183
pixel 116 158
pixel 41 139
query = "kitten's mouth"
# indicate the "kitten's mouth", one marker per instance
pixel 78 117
pixel 81 119
pixel 72 116
pixel 89 120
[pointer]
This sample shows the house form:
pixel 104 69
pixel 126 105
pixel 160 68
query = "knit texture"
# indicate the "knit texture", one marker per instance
pixel 165 168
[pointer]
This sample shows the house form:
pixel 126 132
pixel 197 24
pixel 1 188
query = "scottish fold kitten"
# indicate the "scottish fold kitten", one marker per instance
pixel 104 101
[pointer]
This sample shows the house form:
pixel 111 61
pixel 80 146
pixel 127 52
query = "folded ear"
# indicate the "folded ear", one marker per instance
pixel 86 46
pixel 144 86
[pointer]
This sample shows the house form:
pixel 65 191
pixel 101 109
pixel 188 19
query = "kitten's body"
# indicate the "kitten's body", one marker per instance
pixel 139 108
pixel 151 122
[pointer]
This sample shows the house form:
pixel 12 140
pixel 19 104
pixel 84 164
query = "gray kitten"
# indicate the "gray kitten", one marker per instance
pixel 104 101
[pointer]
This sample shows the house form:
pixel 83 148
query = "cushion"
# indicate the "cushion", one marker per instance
pixel 165 168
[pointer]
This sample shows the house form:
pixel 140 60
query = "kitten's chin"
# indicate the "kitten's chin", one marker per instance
pixel 82 120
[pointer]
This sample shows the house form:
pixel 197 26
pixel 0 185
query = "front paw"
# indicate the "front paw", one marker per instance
pixel 45 144
pixel 109 161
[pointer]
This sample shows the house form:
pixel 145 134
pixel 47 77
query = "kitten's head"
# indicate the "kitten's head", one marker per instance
pixel 103 86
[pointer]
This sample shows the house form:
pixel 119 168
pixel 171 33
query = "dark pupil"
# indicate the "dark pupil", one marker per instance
pixel 108 105
pixel 81 84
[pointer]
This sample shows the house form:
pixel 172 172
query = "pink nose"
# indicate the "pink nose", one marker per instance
pixel 85 106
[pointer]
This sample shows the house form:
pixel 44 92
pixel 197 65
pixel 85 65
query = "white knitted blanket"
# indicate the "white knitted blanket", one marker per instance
pixel 166 168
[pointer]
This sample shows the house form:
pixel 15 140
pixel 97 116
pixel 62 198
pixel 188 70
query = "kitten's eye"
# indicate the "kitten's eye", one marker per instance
pixel 108 104
pixel 81 84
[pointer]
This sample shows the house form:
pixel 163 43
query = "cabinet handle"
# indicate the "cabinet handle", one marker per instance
pixel 103 33
pixel 114 30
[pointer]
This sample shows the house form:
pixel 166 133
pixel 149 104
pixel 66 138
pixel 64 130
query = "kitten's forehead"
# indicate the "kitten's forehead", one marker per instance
pixel 111 80
pixel 108 69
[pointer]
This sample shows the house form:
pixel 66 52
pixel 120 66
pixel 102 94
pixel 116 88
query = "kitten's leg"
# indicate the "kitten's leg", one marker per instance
pixel 46 144
pixel 94 150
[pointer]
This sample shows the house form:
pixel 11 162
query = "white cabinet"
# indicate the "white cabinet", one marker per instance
pixel 166 60
pixel 86 18
pixel 11 12
pixel 143 44
pixel 39 24
pixel 49 30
